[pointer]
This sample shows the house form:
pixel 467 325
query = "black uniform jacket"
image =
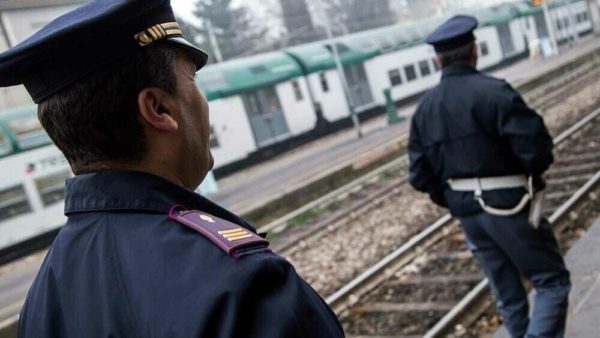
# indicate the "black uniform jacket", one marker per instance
pixel 120 268
pixel 473 125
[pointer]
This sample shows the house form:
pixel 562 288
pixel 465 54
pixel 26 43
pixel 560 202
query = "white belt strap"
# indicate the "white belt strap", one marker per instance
pixel 479 185
pixel 488 183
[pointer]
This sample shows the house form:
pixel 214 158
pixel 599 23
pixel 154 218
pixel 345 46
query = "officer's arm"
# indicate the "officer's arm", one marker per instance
pixel 421 175
pixel 276 302
pixel 526 132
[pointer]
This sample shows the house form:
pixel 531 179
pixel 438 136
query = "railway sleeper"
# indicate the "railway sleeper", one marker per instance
pixel 569 180
pixel 394 324
pixel 433 289
pixel 585 168
pixel 579 159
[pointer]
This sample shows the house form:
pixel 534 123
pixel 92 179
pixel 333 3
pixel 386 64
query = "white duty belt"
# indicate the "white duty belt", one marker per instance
pixel 479 185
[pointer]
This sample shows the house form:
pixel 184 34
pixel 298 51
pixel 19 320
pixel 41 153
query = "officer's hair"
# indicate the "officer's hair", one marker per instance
pixel 460 55
pixel 95 121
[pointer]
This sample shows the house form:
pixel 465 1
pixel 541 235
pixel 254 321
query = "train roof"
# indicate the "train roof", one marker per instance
pixel 239 75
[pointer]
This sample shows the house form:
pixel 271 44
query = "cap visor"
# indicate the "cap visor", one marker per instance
pixel 198 56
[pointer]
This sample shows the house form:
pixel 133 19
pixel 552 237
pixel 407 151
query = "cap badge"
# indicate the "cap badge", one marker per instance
pixel 235 234
pixel 157 32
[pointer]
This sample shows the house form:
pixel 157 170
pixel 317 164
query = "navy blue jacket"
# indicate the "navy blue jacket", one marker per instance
pixel 474 125
pixel 121 268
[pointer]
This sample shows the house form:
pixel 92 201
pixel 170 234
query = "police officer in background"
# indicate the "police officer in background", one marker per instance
pixel 476 148
pixel 141 254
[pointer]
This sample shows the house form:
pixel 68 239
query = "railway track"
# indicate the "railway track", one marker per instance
pixel 432 282
pixel 306 225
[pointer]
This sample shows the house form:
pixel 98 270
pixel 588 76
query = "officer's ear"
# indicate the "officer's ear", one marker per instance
pixel 156 108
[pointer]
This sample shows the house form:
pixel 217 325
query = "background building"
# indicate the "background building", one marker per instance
pixel 18 20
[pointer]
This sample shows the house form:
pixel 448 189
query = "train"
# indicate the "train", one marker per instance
pixel 263 104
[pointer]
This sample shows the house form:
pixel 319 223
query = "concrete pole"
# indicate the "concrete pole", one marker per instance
pixel 594 8
pixel 340 70
pixel 550 24
pixel 4 32
pixel 213 41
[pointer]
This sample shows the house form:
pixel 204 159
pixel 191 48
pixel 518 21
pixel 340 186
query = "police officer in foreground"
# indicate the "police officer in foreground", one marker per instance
pixel 476 148
pixel 141 254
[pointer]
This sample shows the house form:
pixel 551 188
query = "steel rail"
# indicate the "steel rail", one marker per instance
pixel 576 127
pixel 407 247
pixel 332 196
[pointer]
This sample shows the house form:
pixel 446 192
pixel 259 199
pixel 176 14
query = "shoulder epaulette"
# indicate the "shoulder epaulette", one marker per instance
pixel 237 241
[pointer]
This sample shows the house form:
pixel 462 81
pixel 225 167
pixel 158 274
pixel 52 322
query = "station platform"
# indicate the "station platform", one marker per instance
pixel 248 189
pixel 583 260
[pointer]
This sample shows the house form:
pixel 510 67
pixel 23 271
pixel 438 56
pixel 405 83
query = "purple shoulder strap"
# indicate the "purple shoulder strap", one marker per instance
pixel 232 238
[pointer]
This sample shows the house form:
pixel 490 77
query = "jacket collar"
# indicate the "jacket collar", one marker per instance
pixel 457 70
pixel 121 190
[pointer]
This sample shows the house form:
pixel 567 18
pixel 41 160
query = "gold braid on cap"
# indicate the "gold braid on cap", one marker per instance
pixel 157 32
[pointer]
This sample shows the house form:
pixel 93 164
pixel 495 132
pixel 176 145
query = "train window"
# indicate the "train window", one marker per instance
pixel 342 47
pixel 258 69
pixel 5 147
pixel 270 100
pixel 366 45
pixel 297 91
pixel 13 202
pixel 436 65
pixel 566 22
pixel 410 72
pixel 395 77
pixel 28 132
pixel 213 140
pixel 424 68
pixel 527 23
pixel 253 105
pixel 558 24
pixel 385 44
pixel 483 47
pixel 584 16
pixel 52 187
pixel 324 84
pixel 399 39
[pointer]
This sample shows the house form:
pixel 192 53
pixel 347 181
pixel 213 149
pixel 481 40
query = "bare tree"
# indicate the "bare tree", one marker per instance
pixel 236 29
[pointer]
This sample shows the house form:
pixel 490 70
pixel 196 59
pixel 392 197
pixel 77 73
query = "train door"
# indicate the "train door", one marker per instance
pixel 506 41
pixel 358 84
pixel 266 116
pixel 540 25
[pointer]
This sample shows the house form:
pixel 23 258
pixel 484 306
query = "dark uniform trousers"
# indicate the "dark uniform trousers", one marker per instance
pixel 508 248
pixel 473 125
